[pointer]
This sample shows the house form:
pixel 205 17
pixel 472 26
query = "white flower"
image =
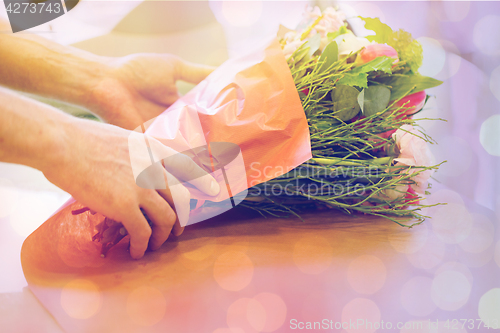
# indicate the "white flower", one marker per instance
pixel 331 21
pixel 414 151
pixel 348 43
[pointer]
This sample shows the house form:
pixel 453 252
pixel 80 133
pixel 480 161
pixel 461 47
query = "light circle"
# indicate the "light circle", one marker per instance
pixel 486 35
pixel 450 290
pixel 434 56
pixel 366 274
pixel 416 296
pixel 489 307
pixel 146 306
pixel 242 13
pixel 489 135
pixel 80 299
pixel 233 270
pixel 495 82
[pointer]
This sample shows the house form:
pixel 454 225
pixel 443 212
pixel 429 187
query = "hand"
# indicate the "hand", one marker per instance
pixel 95 167
pixel 139 87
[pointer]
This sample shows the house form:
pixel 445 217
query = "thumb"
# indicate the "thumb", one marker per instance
pixel 191 72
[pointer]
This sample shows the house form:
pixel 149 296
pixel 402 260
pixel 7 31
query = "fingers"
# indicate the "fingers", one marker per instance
pixel 193 73
pixel 178 197
pixel 162 217
pixel 184 168
pixel 140 232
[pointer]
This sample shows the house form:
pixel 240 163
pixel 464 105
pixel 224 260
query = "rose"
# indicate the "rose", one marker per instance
pixel 414 151
pixel 373 51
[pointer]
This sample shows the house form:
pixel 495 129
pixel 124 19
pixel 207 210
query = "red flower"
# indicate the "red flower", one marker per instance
pixel 373 51
pixel 411 197
pixel 411 103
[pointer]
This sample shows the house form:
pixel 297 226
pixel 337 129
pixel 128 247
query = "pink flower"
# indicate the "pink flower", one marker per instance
pixel 411 103
pixel 373 51
pixel 414 151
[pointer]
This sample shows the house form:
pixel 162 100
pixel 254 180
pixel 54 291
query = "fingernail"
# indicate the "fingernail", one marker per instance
pixel 214 188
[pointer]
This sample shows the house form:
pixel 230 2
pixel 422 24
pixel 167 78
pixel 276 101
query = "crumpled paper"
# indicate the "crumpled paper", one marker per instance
pixel 244 124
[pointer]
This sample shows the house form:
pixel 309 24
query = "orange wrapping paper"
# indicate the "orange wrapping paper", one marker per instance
pixel 250 102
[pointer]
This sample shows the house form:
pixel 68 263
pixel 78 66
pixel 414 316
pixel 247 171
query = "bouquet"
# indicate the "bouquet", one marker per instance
pixel 320 117
pixel 359 96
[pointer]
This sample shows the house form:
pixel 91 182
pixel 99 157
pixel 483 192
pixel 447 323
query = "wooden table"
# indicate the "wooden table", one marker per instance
pixel 242 273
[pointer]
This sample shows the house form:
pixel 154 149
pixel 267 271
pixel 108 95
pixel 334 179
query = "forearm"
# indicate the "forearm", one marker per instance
pixel 36 65
pixel 32 133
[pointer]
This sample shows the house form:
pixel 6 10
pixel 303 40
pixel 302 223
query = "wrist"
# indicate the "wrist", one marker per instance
pixel 85 75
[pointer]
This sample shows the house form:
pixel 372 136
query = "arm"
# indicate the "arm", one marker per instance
pixel 91 161
pixel 124 91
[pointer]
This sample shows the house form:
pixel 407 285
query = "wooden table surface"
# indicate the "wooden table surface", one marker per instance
pixel 241 273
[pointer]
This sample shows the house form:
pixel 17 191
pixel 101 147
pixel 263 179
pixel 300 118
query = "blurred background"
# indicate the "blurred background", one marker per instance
pixel 461 42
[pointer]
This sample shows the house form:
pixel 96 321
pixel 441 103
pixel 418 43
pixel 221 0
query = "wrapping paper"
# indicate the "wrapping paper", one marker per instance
pixel 244 124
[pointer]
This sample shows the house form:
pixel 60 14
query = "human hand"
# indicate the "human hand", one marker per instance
pixel 139 87
pixel 95 166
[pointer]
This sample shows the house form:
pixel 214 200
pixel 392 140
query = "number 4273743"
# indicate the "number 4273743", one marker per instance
pixel 32 8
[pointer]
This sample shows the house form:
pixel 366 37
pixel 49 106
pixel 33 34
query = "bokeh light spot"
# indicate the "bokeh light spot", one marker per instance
pixel 361 308
pixel 416 296
pixel 146 306
pixel 233 270
pixel 434 56
pixel 430 255
pixel 489 307
pixel 275 309
pixel 405 240
pixel 481 235
pixel 452 63
pixel 458 154
pixel 495 82
pixel 242 13
pixel 451 11
pixel 450 290
pixel 366 274
pixel 80 299
pixel 452 223
pixel 457 267
pixel 313 254
pixel 486 35
pixel 238 315
pixel 489 135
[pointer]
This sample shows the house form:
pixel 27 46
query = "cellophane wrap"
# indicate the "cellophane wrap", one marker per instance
pixel 250 103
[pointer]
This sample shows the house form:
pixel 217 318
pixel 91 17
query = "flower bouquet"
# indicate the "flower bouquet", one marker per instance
pixel 359 96
pixel 320 118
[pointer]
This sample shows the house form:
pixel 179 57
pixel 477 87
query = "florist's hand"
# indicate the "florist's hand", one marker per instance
pixel 95 167
pixel 139 87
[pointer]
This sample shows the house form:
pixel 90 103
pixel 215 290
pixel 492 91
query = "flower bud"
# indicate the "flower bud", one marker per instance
pixel 411 103
pixel 373 51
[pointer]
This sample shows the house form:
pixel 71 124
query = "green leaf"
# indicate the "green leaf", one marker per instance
pixel 354 80
pixel 342 30
pixel 345 102
pixel 313 44
pixel 403 85
pixel 329 56
pixel 383 64
pixel 358 76
pixel 374 99
pixel 382 31
pixel 299 54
